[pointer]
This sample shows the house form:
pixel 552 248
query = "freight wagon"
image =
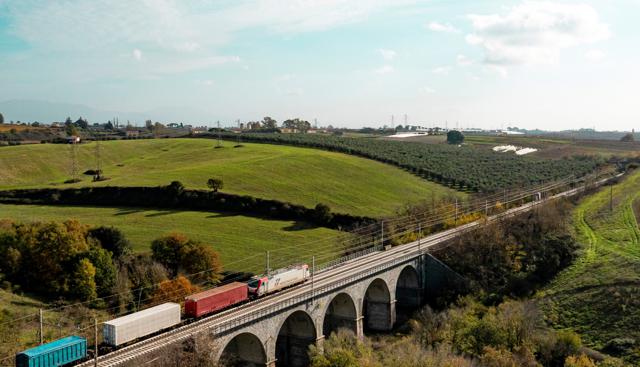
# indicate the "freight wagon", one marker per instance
pixel 57 353
pixel 215 299
pixel 282 278
pixel 142 323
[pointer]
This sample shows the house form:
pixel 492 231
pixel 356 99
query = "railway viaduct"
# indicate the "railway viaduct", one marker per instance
pixel 367 291
pixel 372 302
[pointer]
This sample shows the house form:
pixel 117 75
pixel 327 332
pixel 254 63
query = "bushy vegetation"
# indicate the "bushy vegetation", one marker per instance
pixel 462 167
pixel 468 334
pixel 515 256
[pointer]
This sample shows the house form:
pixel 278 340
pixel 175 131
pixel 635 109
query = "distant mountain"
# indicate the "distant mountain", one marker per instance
pixel 45 111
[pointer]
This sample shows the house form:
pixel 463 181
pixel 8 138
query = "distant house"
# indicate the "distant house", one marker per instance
pixel 199 130
pixel 173 125
pixel 286 130
pixel 132 133
pixel 73 139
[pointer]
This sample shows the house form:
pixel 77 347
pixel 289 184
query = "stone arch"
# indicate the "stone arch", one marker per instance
pixel 295 335
pixel 378 307
pixel 340 313
pixel 244 350
pixel 408 293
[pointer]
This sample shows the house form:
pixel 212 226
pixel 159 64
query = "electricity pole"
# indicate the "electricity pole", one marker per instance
pixel 268 269
pixel 98 175
pixel 95 335
pixel 219 144
pixel 455 220
pixel 41 328
pixel 611 198
pixel 313 272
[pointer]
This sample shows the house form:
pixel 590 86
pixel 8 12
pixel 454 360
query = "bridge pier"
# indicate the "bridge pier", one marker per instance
pixel 381 316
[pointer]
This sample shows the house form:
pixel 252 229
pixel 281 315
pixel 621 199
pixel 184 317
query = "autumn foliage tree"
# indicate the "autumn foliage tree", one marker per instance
pixel 179 254
pixel 173 290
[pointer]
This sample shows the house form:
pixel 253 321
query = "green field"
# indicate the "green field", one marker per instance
pixel 598 295
pixel 241 241
pixel 346 183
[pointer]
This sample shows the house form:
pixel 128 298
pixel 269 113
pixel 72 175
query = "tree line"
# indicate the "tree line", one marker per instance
pixel 175 195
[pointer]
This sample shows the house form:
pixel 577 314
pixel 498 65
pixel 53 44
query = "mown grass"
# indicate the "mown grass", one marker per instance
pixel 346 183
pixel 241 241
pixel 598 295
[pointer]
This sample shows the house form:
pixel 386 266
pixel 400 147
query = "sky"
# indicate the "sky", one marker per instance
pixel 352 63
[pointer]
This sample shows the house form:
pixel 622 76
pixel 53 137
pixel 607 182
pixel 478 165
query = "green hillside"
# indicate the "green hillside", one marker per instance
pixel 303 176
pixel 241 241
pixel 598 295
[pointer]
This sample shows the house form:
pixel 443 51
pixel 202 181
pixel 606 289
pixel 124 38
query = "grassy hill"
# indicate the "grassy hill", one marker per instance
pixel 598 295
pixel 303 176
pixel 236 237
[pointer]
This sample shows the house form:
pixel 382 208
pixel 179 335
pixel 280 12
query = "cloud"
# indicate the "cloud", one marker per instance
pixel 191 32
pixel 535 32
pixel 595 55
pixel 386 69
pixel 427 90
pixel 137 54
pixel 207 83
pixel 462 60
pixel 441 70
pixel 387 54
pixel 440 27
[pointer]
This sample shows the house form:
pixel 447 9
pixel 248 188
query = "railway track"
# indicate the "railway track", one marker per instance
pixel 323 281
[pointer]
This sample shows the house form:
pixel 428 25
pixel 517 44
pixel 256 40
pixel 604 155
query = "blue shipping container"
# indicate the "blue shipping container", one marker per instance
pixel 56 353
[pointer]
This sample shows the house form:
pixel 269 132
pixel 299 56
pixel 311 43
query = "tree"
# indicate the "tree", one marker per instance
pixel 455 137
pixel 83 284
pixel 68 121
pixel 105 270
pixel 177 254
pixel 203 262
pixel 108 125
pixel 628 137
pixel 81 123
pixel 173 291
pixel 71 130
pixel 297 124
pixel 176 188
pixel 215 184
pixel 269 123
pixel 1 119
pixel 323 213
pixel 112 239
pixel 169 250
pixel 149 125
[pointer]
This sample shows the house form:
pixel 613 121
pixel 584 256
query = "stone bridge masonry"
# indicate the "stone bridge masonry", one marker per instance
pixel 373 304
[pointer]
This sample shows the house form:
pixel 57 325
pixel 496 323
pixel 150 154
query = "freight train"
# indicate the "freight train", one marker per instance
pixel 125 329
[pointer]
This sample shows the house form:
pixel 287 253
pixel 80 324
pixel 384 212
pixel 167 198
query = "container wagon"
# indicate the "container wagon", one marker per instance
pixel 215 299
pixel 282 278
pixel 142 323
pixel 57 353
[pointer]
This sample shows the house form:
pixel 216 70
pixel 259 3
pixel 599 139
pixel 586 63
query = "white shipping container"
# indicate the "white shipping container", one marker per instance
pixel 136 325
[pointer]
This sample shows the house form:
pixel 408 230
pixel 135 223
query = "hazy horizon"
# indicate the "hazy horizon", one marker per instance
pixel 531 64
